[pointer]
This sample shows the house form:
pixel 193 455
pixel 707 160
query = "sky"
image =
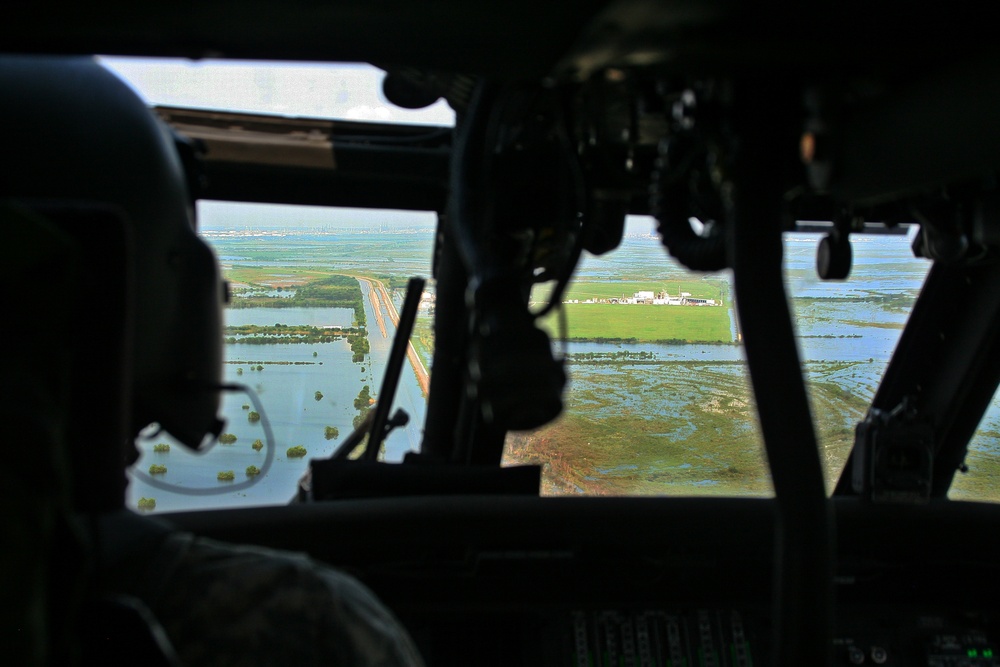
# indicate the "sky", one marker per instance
pixel 218 215
pixel 318 90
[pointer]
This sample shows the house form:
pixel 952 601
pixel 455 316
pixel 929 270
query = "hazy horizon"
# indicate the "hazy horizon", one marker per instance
pixel 236 216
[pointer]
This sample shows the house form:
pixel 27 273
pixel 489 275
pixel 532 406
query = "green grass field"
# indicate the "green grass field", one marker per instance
pixel 643 322
pixel 593 321
pixel 271 276
pixel 707 288
pixel 423 339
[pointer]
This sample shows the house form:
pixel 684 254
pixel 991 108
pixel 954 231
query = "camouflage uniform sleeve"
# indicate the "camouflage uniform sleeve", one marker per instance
pixel 233 605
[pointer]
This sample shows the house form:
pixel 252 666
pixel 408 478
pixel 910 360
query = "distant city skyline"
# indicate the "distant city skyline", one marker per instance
pixel 218 215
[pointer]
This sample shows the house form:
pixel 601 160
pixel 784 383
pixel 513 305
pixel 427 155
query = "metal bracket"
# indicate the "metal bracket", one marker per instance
pixel 895 455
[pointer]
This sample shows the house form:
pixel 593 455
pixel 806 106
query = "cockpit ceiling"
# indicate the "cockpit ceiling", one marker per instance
pixel 514 38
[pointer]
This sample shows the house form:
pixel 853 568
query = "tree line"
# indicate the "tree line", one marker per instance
pixel 329 292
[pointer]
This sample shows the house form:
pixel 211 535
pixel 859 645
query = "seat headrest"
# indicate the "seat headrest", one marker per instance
pixel 73 131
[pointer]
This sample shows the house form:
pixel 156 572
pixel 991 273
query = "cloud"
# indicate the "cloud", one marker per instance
pixel 365 112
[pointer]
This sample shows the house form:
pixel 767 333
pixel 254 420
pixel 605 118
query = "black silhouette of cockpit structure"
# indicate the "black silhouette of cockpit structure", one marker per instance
pixel 752 116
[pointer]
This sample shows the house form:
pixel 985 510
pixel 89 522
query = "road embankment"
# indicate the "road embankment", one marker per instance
pixel 380 299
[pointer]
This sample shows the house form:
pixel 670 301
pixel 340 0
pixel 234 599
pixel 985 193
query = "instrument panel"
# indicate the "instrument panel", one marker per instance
pixel 677 582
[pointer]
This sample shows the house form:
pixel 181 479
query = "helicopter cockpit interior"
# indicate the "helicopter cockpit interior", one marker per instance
pixel 732 129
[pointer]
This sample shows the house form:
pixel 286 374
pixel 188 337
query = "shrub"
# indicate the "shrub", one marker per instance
pixel 253 417
pixel 226 476
pixel 246 406
pixel 161 448
pixel 257 445
pixel 318 396
pixel 239 371
pixel 260 368
pixel 227 438
pixel 363 399
pixel 331 432
pixel 252 470
pixel 315 354
pixel 157 469
pixel 147 504
pixel 296 452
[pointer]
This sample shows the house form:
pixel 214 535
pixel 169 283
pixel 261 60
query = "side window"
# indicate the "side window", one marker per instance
pixel 659 399
pixel 315 297
pixel 979 481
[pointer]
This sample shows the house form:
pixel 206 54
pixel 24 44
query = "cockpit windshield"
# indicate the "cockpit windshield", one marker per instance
pixel 310 90
pixel 656 354
pixel 658 400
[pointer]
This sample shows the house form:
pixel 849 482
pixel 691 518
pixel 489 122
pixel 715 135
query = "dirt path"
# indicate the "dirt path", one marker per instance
pixel 377 305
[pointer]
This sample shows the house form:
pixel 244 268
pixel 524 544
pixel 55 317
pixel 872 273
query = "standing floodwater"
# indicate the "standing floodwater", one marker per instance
pixel 309 392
